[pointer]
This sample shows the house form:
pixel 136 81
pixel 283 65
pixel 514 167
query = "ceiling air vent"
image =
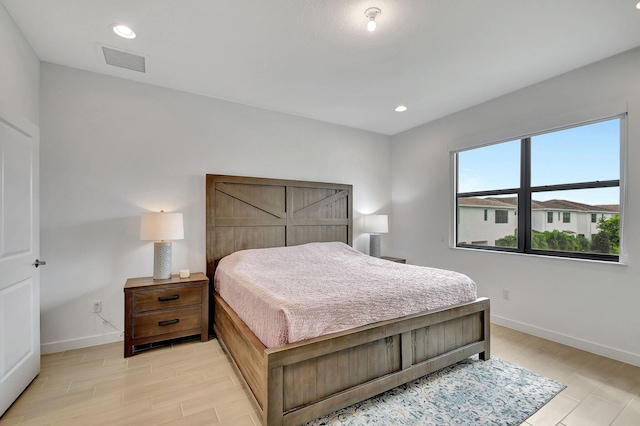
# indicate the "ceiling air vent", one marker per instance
pixel 122 59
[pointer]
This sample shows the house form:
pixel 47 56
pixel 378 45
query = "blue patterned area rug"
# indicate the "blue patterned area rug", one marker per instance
pixel 472 392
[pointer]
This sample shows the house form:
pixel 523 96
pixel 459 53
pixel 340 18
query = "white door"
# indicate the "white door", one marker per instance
pixel 19 248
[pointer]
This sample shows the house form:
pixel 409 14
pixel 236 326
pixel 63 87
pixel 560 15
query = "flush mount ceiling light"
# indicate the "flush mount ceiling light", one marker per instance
pixel 372 13
pixel 124 31
pixel 638 5
pixel 401 108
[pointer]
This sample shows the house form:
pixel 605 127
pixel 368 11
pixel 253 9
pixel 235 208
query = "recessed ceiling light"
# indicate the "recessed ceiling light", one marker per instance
pixel 638 5
pixel 401 108
pixel 124 31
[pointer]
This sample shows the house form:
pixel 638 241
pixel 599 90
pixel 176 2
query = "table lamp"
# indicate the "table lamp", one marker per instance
pixel 160 227
pixel 375 224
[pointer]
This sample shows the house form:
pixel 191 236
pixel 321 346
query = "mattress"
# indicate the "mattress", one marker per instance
pixel 289 294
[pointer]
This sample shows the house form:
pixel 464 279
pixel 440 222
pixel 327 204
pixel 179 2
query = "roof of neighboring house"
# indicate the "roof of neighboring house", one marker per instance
pixel 492 202
pixel 609 207
pixel 572 205
pixel 512 202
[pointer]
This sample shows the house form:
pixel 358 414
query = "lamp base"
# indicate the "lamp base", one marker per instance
pixel 161 260
pixel 374 245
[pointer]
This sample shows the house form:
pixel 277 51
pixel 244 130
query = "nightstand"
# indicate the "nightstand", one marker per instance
pixel 394 259
pixel 158 310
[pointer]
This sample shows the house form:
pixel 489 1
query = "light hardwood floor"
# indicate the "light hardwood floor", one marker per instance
pixel 193 383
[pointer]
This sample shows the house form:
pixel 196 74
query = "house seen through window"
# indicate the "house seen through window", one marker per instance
pixel 572 173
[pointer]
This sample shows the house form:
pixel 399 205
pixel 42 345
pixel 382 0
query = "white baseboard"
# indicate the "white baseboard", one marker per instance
pixel 83 342
pixel 585 345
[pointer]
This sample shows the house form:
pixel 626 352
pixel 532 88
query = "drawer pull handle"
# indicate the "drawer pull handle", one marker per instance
pixel 168 298
pixel 168 322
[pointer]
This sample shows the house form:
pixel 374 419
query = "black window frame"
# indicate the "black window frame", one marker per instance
pixel 549 217
pixel 566 217
pixel 525 193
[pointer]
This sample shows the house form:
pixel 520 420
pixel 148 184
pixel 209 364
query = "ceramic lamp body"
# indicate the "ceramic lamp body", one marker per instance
pixel 161 260
pixel 374 245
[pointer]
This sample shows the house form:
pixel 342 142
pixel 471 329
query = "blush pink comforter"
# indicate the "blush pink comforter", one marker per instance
pixel 289 294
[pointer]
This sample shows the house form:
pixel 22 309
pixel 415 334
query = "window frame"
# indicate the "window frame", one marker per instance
pixel 525 191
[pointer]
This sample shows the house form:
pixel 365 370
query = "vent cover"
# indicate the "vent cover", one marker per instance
pixel 122 59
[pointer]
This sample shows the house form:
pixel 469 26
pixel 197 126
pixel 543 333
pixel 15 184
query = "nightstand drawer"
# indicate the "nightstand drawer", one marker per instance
pixel 150 300
pixel 163 322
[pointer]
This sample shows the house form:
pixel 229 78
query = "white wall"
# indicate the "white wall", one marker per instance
pixel 112 149
pixel 586 304
pixel 19 72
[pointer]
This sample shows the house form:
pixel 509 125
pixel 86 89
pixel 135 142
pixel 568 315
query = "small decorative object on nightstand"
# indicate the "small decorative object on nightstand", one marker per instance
pixel 158 310
pixel 394 259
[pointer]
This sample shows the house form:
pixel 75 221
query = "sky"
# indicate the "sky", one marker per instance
pixel 580 154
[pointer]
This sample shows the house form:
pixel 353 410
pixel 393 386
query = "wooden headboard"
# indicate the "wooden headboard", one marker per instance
pixel 248 212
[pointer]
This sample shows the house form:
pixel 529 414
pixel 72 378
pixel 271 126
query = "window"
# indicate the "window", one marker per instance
pixel 574 171
pixel 502 216
pixel 486 215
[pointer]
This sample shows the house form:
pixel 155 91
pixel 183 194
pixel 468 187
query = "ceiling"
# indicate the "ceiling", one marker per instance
pixel 316 59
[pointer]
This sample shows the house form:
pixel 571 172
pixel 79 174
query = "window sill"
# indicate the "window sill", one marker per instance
pixel 621 262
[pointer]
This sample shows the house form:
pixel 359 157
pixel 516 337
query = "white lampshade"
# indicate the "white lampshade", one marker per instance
pixel 161 226
pixel 375 224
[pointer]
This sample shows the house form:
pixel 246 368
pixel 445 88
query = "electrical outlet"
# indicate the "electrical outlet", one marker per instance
pixel 505 294
pixel 97 306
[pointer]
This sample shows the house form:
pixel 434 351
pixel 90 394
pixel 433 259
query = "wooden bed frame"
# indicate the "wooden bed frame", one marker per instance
pixel 298 382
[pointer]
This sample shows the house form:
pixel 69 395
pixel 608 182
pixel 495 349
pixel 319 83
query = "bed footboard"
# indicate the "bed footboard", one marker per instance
pixel 299 382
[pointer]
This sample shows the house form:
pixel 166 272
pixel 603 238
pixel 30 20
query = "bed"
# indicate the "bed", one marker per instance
pixel 294 383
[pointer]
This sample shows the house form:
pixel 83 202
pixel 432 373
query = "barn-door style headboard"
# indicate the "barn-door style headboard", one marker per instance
pixel 247 212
